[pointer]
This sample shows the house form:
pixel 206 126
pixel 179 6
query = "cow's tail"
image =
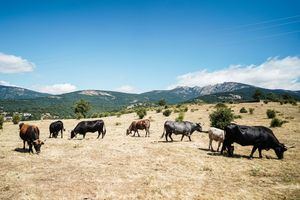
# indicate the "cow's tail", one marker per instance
pixel 104 130
pixel 163 133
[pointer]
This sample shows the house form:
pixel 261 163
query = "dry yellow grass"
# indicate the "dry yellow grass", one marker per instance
pixel 124 167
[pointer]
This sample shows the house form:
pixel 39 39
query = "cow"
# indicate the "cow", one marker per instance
pixel 216 135
pixel 139 125
pixel 55 127
pixel 260 137
pixel 31 135
pixel 184 128
pixel 89 126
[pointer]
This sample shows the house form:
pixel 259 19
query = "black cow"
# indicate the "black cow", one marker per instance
pixel 180 128
pixel 55 127
pixel 89 126
pixel 260 137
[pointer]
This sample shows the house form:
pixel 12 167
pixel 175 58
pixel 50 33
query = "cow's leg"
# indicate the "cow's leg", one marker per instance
pixel 99 133
pixel 259 151
pixel 103 134
pixel 138 133
pixel 50 135
pixel 30 147
pixel 219 146
pixel 166 135
pixel 210 143
pixel 182 137
pixel 61 133
pixel 190 138
pixel 171 137
pixel 83 135
pixel 148 132
pixel 252 152
pixel 24 144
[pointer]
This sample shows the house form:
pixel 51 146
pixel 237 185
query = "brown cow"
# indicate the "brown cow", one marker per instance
pixel 31 134
pixel 139 125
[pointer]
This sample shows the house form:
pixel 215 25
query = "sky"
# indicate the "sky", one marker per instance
pixel 59 46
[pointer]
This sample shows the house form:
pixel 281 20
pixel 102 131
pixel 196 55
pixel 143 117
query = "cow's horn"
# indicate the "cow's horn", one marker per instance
pixel 290 147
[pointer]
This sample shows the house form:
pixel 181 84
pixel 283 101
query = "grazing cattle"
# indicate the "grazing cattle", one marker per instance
pixel 216 135
pixel 30 134
pixel 89 126
pixel 55 127
pixel 139 125
pixel 259 137
pixel 180 128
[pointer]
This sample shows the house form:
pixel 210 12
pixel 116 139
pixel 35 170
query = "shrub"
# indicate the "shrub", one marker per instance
pixel 167 112
pixel 251 110
pixel 79 116
pixel 220 105
pixel 119 114
pixel 1 121
pixel 16 118
pixel 277 122
pixel 237 117
pixel 194 109
pixel 271 113
pixel 94 115
pixel 142 112
pixel 180 117
pixel 243 110
pixel 266 101
pixel 221 118
pixel 162 102
pixel 158 110
pixel 184 109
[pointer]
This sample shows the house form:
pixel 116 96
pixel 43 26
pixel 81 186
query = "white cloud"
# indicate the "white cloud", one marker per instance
pixel 5 83
pixel 57 88
pixel 274 73
pixel 10 64
pixel 126 89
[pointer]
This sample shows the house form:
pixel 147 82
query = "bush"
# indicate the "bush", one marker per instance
pixel 119 115
pixel 220 105
pixel 118 123
pixel 167 112
pixel 277 122
pixel 94 115
pixel 79 116
pixel 141 113
pixel 221 118
pixel 180 117
pixel 158 110
pixel 266 101
pixel 271 113
pixel 1 121
pixel 243 110
pixel 16 119
pixel 237 117
pixel 251 110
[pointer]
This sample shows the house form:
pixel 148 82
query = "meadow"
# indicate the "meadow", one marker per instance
pixel 125 167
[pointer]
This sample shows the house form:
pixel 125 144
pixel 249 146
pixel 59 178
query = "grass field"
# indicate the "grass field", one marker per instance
pixel 125 167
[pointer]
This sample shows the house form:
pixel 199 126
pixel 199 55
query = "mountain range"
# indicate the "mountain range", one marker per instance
pixel 24 100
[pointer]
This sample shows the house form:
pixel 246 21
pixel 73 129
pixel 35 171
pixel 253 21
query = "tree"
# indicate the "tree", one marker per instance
pixel 82 107
pixel 16 118
pixel 221 117
pixel 1 121
pixel 257 95
pixel 142 112
pixel 162 102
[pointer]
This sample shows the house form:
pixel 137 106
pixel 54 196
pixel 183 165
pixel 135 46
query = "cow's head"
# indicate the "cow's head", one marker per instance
pixel 198 127
pixel 37 145
pixel 73 134
pixel 20 125
pixel 128 132
pixel 279 150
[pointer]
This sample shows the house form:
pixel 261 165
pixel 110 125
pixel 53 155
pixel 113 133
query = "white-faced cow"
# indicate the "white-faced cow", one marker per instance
pixel 89 126
pixel 184 128
pixel 216 135
pixel 260 137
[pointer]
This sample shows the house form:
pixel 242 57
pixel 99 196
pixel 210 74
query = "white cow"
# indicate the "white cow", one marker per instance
pixel 217 135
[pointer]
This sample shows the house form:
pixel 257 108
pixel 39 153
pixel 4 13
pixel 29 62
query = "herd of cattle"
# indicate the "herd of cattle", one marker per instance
pixel 259 137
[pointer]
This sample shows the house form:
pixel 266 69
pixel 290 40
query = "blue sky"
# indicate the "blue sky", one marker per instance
pixel 138 46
